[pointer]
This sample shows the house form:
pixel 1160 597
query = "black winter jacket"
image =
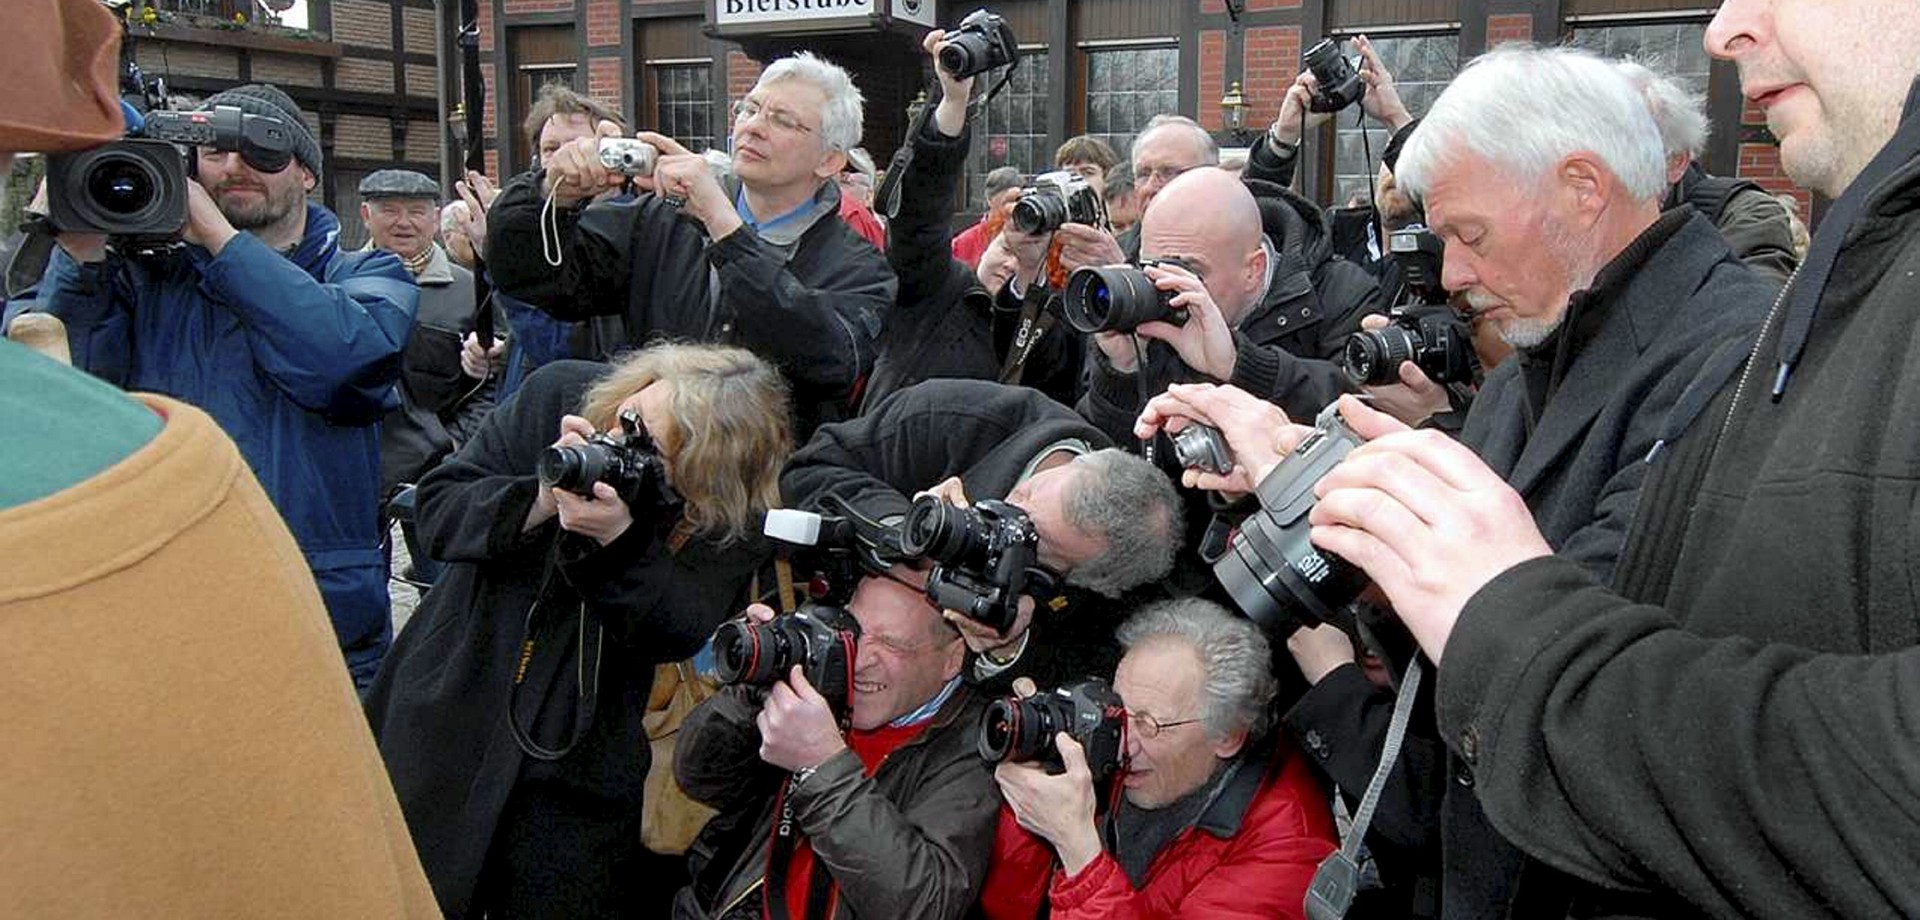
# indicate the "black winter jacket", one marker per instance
pixel 1567 424
pixel 989 435
pixel 941 324
pixel 811 305
pixel 1740 738
pixel 1284 344
pixel 438 706
pixel 1756 226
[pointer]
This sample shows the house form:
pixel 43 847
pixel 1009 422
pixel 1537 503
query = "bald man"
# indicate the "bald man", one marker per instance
pixel 1267 305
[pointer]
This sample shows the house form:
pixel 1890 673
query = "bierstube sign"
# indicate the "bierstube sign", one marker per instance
pixel 793 12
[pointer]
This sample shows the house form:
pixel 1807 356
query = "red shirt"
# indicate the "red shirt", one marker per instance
pixel 861 218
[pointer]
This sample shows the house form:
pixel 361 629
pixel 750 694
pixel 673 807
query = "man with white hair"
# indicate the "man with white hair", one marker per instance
pixel 761 259
pixel 1758 230
pixel 1544 174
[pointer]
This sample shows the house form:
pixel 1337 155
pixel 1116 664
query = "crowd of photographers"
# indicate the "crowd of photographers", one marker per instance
pixel 1512 543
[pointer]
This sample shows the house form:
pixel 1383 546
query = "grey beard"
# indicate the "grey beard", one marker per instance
pixel 1527 333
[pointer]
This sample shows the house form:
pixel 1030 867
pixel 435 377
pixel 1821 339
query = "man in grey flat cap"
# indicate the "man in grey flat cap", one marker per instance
pixel 441 402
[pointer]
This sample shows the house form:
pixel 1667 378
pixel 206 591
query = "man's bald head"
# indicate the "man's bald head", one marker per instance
pixel 1209 219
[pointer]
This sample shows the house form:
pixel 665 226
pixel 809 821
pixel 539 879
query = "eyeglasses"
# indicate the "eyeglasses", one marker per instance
pixel 747 108
pixel 1147 726
pixel 1161 174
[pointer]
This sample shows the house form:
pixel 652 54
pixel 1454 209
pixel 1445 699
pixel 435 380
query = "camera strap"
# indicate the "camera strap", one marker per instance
pixel 1330 895
pixel 587 683
pixel 887 196
pixel 1035 321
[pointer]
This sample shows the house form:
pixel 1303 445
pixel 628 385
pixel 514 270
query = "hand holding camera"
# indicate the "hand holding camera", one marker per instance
pixel 1408 395
pixel 1297 114
pixel 1425 518
pixel 950 116
pixel 576 173
pixel 1057 806
pixel 1256 432
pixel 806 661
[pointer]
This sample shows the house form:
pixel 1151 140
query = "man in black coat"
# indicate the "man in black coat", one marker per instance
pixel 1721 729
pixel 1108 521
pixel 941 321
pixel 1614 307
pixel 1267 309
pixel 759 259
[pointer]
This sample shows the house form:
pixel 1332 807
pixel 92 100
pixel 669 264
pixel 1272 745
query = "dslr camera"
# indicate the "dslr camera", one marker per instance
pixel 136 189
pixel 1119 298
pixel 1425 330
pixel 1057 198
pixel 1275 574
pixel 986 556
pixel 1022 730
pixel 1339 81
pixel 833 551
pixel 981 42
pixel 628 156
pixel 630 463
pixel 823 641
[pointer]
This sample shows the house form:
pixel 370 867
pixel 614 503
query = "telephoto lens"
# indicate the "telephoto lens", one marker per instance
pixel 1115 298
pixel 129 188
pixel 1274 573
pixel 1022 730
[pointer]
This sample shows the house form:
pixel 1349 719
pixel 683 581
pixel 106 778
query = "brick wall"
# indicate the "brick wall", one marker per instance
pixel 1515 27
pixel 1271 60
pixel 604 79
pixel 538 6
pixel 423 142
pixel 189 60
pixel 366 75
pixel 365 137
pixel 1213 78
pixel 285 69
pixel 603 24
pixel 420 79
pixel 363 22
pixel 742 73
pixel 417 28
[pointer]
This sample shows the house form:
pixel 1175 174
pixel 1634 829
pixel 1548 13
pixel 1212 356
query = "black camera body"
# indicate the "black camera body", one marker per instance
pixel 981 42
pixel 986 556
pixel 630 463
pixel 1424 330
pixel 1274 573
pixel 135 189
pixel 1435 338
pixel 1022 730
pixel 823 641
pixel 1119 298
pixel 1057 198
pixel 1339 82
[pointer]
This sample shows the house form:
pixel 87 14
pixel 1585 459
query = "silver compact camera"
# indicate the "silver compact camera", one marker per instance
pixel 1202 447
pixel 628 156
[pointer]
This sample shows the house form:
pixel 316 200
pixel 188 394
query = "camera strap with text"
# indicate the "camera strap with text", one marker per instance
pixel 1338 878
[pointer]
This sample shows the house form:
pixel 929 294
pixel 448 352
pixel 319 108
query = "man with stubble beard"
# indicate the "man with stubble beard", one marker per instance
pixel 292 345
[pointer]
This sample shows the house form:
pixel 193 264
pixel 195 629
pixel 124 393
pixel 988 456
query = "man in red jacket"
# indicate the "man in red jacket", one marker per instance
pixel 1216 816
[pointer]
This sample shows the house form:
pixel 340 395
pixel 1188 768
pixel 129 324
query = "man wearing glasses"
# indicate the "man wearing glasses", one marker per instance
pixel 758 257
pixel 1218 816
pixel 292 345
pixel 892 818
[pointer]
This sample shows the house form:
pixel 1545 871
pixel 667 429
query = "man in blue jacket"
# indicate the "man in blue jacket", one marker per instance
pixel 292 345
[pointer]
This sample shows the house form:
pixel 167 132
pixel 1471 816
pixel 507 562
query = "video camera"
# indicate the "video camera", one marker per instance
pixel 981 42
pixel 1057 198
pixel 1274 573
pixel 630 463
pixel 823 641
pixel 1022 730
pixel 987 555
pixel 135 189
